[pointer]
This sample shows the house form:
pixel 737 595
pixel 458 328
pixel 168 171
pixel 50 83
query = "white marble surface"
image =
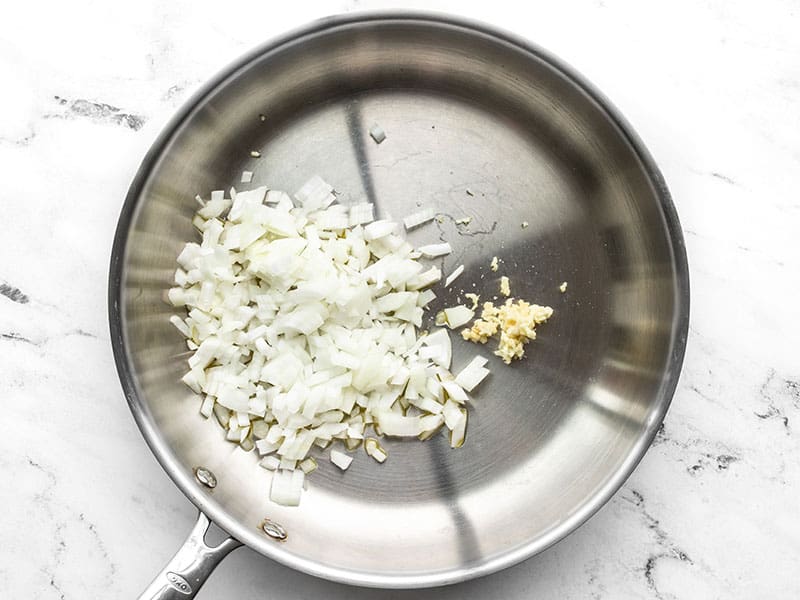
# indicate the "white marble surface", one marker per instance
pixel 712 87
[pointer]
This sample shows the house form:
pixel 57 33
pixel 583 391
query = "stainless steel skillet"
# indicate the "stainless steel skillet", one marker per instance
pixel 479 124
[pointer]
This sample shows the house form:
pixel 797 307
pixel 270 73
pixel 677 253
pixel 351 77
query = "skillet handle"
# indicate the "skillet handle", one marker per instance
pixel 188 570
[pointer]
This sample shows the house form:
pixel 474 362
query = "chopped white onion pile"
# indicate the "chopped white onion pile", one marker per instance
pixel 302 319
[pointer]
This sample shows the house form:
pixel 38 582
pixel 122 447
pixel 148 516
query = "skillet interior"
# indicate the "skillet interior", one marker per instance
pixel 551 437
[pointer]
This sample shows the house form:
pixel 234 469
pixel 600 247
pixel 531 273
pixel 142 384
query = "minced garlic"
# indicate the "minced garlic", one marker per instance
pixel 505 287
pixel 493 265
pixel 563 287
pixel 516 322
pixel 475 299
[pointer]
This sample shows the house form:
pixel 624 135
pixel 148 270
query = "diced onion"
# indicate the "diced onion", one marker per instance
pixel 454 275
pixel 424 279
pixel 435 250
pixel 459 431
pixel 340 459
pixel 361 214
pixel 457 316
pixel 454 391
pixel 394 424
pixel 419 218
pixel 377 133
pixel 302 319
pixel 287 487
pixel 374 449
pixel 271 463
pixel 471 375
pixel 379 229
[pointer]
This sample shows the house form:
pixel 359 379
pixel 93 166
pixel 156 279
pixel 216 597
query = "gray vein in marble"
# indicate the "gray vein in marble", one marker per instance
pixel 22 141
pixel 751 251
pixel 717 456
pixel 710 399
pixel 720 462
pixel 662 437
pixel 13 293
pixel 666 548
pixel 13 336
pixel 597 589
pixel 724 178
pixel 172 91
pixel 719 176
pixel 779 394
pixel 99 542
pixel 46 500
pixel 99 112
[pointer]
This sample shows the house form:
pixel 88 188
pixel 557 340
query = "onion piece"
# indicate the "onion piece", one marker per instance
pixel 286 487
pixel 340 459
pixel 377 133
pixel 374 449
pixel 455 392
pixel 425 297
pixel 271 463
pixel 419 218
pixel 459 432
pixel 207 407
pixel 361 214
pixel 427 404
pixel 315 194
pixel 180 325
pixel 424 279
pixel 440 340
pixel 308 465
pixel 457 316
pixel 394 424
pixel 431 424
pixel 435 250
pixel 265 447
pixel 471 375
pixel 379 229
pixel 454 275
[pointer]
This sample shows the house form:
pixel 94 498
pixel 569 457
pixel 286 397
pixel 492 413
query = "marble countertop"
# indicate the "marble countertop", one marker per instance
pixel 712 87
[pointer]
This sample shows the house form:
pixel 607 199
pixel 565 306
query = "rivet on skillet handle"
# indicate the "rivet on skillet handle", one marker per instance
pixel 188 570
pixel 205 477
pixel 274 530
